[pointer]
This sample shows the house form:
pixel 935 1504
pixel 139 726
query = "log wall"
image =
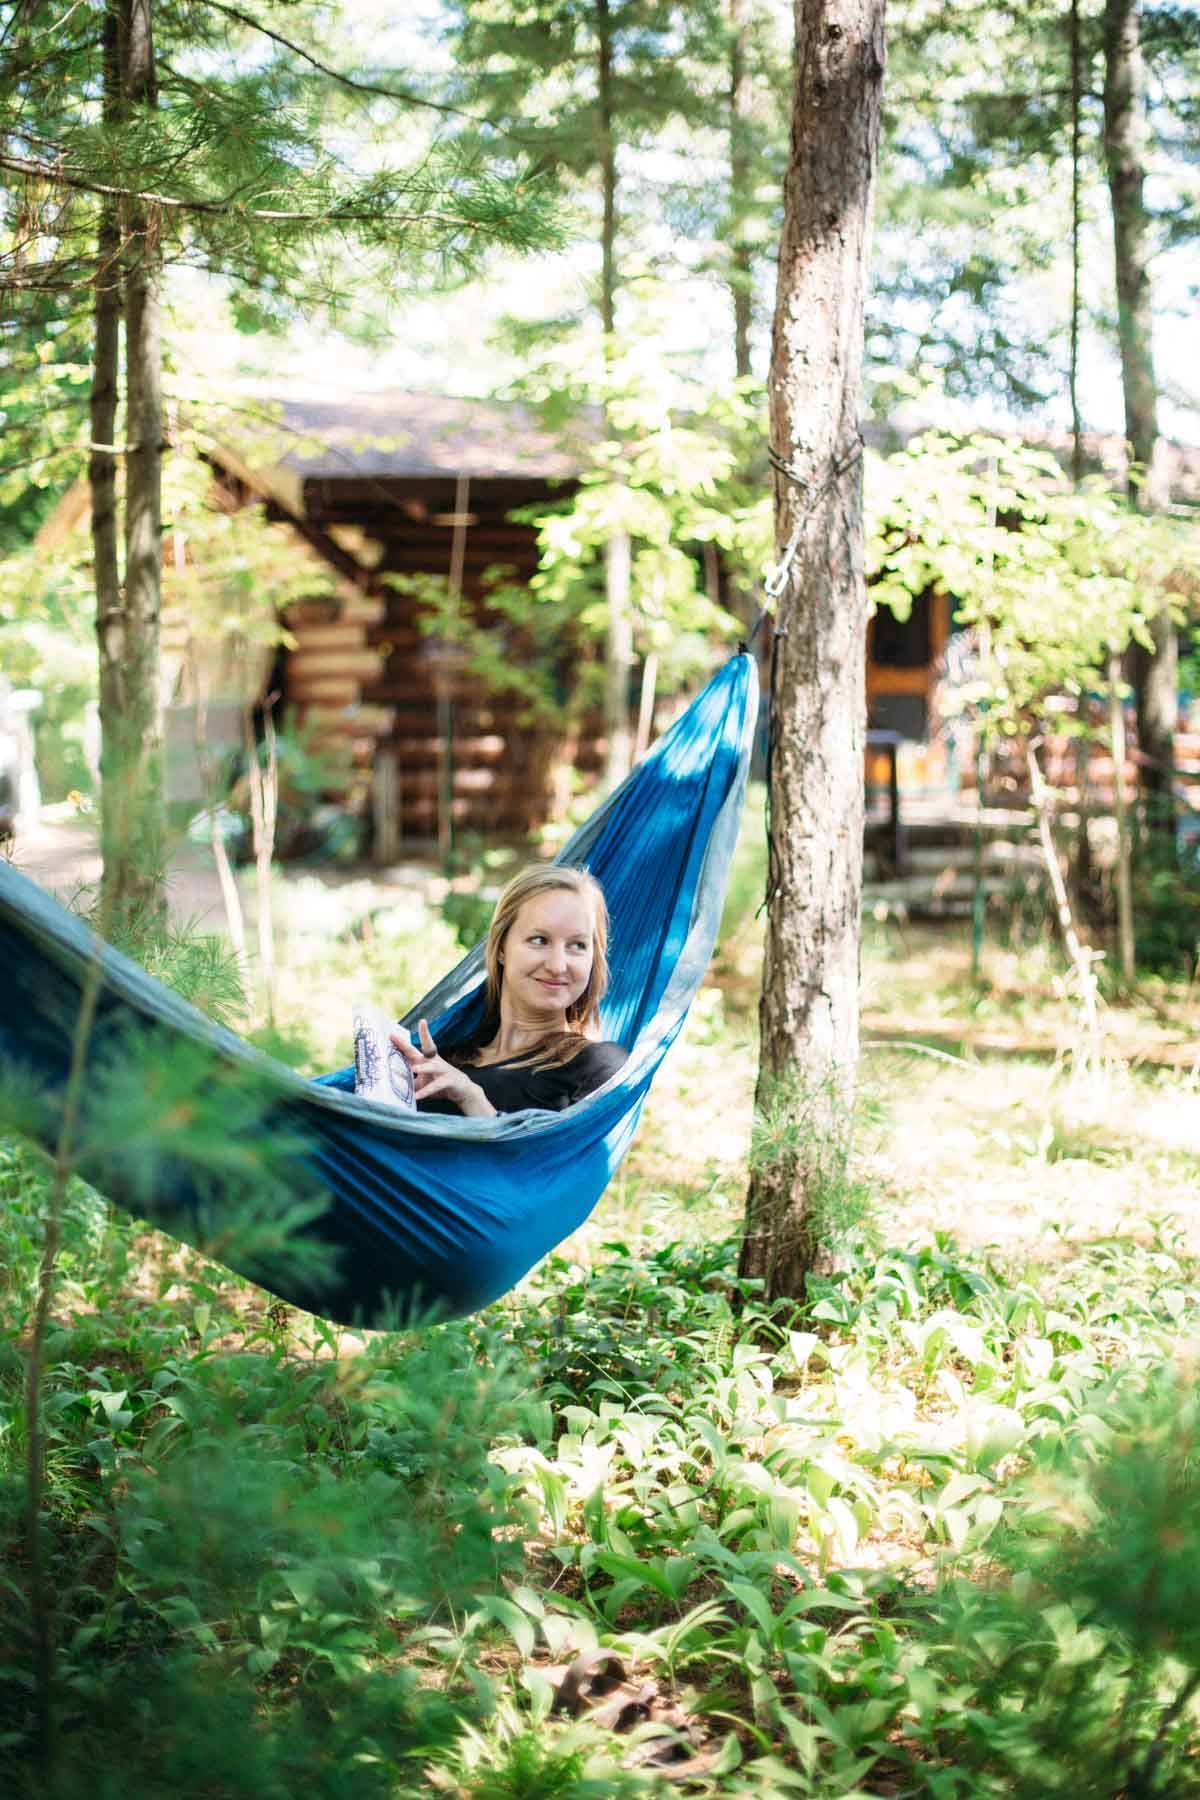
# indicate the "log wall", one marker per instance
pixel 373 663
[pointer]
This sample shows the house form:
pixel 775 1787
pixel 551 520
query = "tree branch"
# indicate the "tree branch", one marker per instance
pixel 405 95
pixel 226 207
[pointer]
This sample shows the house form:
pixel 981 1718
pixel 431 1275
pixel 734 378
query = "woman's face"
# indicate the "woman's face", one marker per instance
pixel 547 954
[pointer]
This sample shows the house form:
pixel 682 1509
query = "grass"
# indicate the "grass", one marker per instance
pixel 931 1532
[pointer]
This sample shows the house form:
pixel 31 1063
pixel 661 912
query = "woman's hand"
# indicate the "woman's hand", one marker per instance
pixel 433 1076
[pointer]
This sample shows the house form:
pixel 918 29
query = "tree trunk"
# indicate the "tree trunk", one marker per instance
pixel 131 712
pixel 1076 240
pixel 608 169
pixel 1155 673
pixel 618 551
pixel 102 460
pixel 741 175
pixel 263 784
pixel 809 1011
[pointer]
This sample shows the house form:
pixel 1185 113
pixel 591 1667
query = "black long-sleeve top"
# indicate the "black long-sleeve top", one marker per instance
pixel 512 1084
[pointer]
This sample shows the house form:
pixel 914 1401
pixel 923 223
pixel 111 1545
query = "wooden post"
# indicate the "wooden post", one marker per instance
pixel 445 670
pixel 645 722
pixel 445 728
pixel 385 807
pixel 264 805
pixel 618 657
pixel 1124 884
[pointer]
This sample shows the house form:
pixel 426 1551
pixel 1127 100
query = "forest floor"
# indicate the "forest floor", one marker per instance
pixel 931 1532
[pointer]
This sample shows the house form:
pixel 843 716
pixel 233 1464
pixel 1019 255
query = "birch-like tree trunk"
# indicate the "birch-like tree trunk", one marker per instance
pixel 809 1011
pixel 1090 1050
pixel 134 879
pixel 1155 672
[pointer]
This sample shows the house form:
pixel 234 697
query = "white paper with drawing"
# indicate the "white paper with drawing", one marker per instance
pixel 380 1071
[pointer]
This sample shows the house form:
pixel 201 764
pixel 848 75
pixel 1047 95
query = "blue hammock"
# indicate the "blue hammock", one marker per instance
pixel 425 1215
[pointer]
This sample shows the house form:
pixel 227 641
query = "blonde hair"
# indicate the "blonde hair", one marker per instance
pixel 583 1015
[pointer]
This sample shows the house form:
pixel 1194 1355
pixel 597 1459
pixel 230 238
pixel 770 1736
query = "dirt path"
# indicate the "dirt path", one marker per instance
pixel 63 856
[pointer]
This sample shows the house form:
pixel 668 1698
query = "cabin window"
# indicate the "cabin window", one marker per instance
pixel 904 643
pixel 905 714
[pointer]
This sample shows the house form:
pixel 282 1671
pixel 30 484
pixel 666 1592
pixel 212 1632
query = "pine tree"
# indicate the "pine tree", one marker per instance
pixel 988 171
pixel 138 139
pixel 1156 666
pixel 1081 105
pixel 809 1010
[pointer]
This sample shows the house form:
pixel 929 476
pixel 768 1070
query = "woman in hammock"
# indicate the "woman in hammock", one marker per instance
pixel 547 970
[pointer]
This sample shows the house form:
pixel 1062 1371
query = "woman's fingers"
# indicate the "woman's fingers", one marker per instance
pixel 431 1075
pixel 423 1052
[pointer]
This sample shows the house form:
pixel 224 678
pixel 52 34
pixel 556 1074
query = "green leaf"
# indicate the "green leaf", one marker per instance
pixel 756 1605
pixel 517 1623
pixel 304 1585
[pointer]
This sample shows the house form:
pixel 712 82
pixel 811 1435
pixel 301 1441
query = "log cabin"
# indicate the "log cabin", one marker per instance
pixel 409 484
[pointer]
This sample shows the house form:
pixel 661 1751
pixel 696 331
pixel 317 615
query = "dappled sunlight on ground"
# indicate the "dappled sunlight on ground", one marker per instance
pixel 1013 1152
pixel 918 979
pixel 1016 1155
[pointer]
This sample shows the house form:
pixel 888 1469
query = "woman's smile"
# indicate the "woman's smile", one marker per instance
pixel 548 953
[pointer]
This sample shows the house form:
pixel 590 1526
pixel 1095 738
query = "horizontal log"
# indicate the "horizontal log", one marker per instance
pixel 344 634
pixel 398 630
pixel 474 703
pixel 368 609
pixel 327 691
pixel 354 609
pixel 343 734
pixel 418 752
pixel 412 557
pixel 362 664
pixel 422 824
pixel 494 783
pixel 379 721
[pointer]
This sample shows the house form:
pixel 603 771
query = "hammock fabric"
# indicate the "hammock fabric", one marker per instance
pixel 425 1215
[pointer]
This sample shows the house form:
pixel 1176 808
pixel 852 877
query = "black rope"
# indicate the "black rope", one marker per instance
pixel 774 879
pixel 840 465
pixel 745 644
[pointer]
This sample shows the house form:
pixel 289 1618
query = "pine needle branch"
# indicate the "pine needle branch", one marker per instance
pixel 379 89
pixel 230 207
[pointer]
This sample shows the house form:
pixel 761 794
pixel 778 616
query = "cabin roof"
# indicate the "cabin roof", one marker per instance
pixel 402 434
pixel 1104 453
pixel 392 435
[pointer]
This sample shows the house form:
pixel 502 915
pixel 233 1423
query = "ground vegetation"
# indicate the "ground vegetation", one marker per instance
pixel 927 1530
